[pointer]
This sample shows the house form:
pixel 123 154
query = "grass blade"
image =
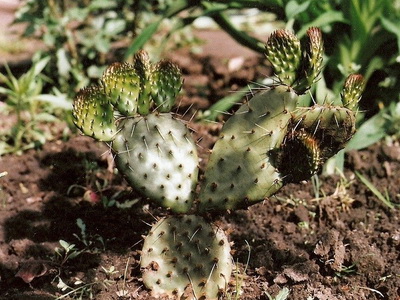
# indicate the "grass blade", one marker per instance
pixel 376 192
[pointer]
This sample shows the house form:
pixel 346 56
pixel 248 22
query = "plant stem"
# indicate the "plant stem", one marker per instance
pixel 240 36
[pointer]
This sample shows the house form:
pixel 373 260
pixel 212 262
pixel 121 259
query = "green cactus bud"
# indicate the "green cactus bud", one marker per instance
pixel 283 50
pixel 143 68
pixel 122 84
pixel 93 114
pixel 186 253
pixel 240 171
pixel 312 60
pixel 352 90
pixel 166 84
pixel 157 155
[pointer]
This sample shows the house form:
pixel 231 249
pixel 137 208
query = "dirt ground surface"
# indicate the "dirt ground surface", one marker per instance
pixel 335 241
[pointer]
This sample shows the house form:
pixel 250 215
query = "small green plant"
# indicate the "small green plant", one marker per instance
pixel 24 100
pixel 66 252
pixel 347 271
pixel 92 243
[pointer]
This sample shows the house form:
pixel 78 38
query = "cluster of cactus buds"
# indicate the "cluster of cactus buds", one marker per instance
pixel 270 141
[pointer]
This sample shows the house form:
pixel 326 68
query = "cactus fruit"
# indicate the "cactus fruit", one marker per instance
pixel 93 114
pixel 167 82
pixel 186 253
pixel 239 171
pixel 122 85
pixel 157 156
pixel 312 60
pixel 283 50
pixel 352 90
pixel 296 65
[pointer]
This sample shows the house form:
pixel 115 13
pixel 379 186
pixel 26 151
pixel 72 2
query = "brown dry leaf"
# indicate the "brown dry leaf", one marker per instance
pixel 31 269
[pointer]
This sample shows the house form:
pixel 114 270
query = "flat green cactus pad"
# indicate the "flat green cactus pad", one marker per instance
pixel 157 155
pixel 186 255
pixel 240 171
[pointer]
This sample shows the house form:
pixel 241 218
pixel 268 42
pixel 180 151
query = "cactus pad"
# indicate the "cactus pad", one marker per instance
pixel 158 157
pixel 239 172
pixel 186 253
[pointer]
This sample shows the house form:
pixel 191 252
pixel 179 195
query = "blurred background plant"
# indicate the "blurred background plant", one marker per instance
pixel 27 109
pixel 82 37
pixel 362 36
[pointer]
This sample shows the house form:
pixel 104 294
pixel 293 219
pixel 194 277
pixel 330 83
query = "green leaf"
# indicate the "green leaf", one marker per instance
pixel 102 4
pixel 327 18
pixel 393 27
pixel 224 104
pixel 45 117
pixel 39 66
pixel 63 65
pixel 370 132
pixel 64 244
pixel 375 191
pixel 293 8
pixel 59 101
pixel 113 27
pixel 142 38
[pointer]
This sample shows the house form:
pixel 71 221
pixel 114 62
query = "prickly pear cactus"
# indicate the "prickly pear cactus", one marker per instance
pixel 186 254
pixel 269 142
pixel 130 110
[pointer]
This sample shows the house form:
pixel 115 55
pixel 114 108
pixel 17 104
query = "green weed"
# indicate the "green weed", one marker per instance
pixel 25 100
pixel 385 198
